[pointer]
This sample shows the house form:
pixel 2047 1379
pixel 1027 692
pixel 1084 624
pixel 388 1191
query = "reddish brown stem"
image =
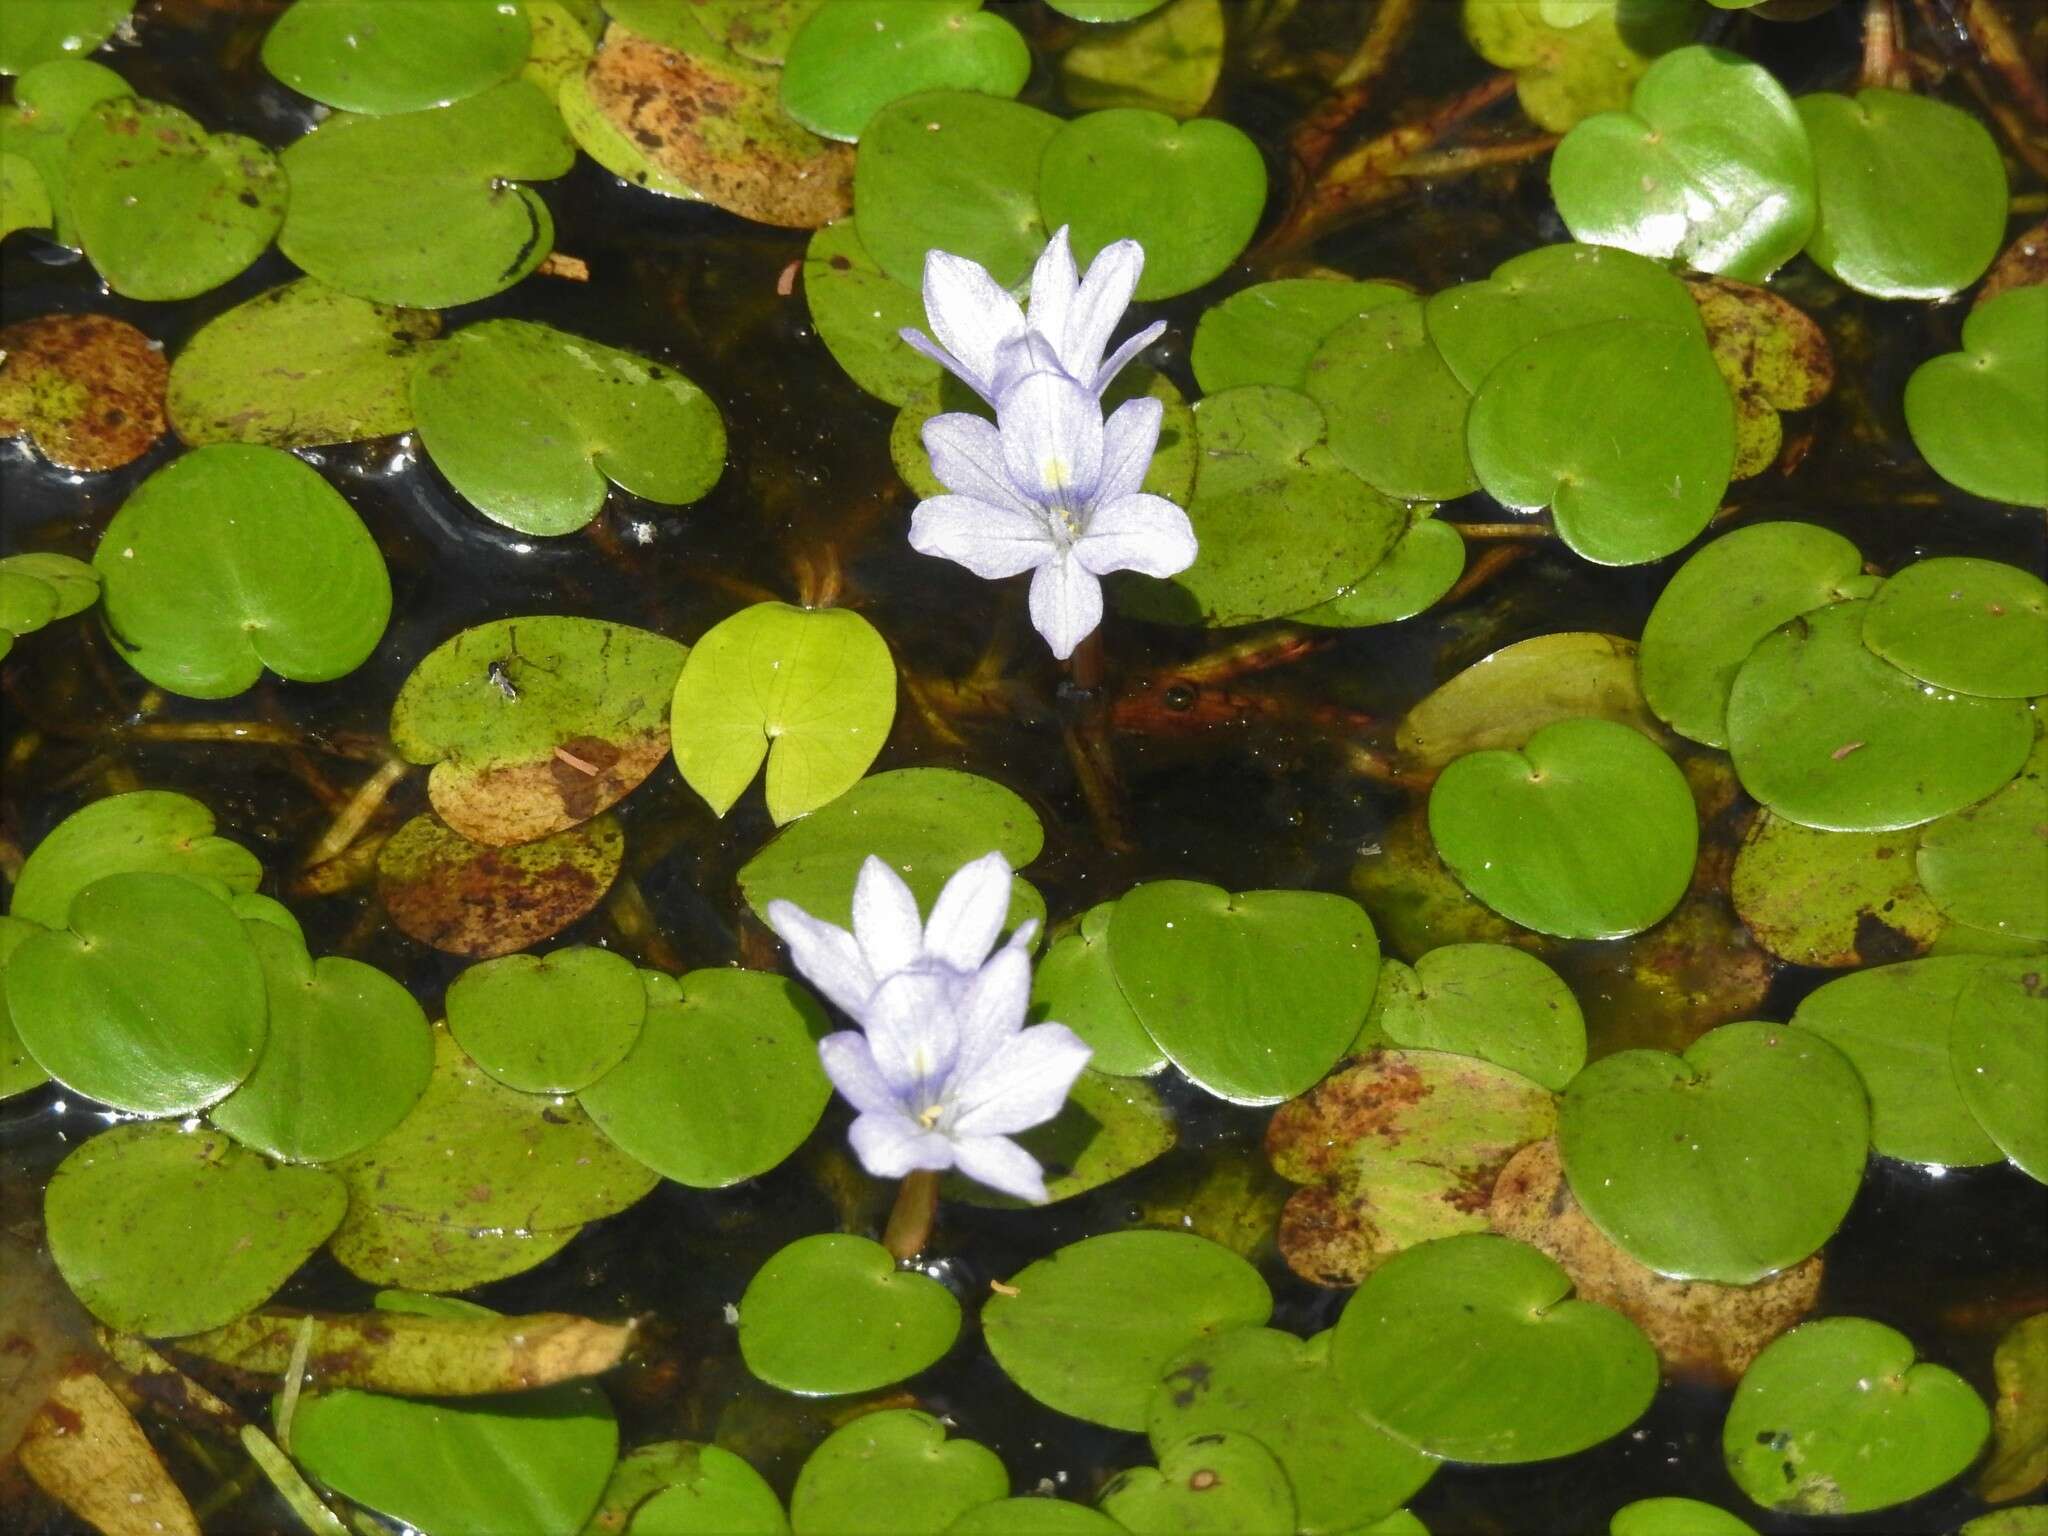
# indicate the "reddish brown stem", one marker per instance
pixel 1315 140
pixel 915 1213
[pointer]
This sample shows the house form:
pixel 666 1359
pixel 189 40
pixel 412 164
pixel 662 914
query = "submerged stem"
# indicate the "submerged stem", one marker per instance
pixel 912 1218
pixel 1085 730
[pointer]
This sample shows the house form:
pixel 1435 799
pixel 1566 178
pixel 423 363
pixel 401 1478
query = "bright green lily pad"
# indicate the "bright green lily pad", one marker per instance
pixel 853 57
pixel 1076 985
pixel 548 1024
pixel 1588 832
pixel 1108 1127
pixel 1829 735
pixel 1345 1470
pixel 1836 1418
pixel 143 831
pixel 810 690
pixel 424 208
pixel 151 1001
pixel 24 200
pixel 925 823
pixel 1676 1517
pixel 1998 1050
pixel 723 1083
pixel 1831 898
pixel 1506 697
pixel 1728 1164
pixel 1191 193
pixel 1709 166
pixel 162 1231
pixel 682 1488
pixel 1424 1343
pixel 524 1461
pixel 1495 1002
pixel 1090 1329
pixel 1105 11
pixel 565 34
pixel 952 171
pixel 887 1323
pixel 530 423
pixel 1253 995
pixel 50 101
pixel 893 1473
pixel 1032 1515
pixel 1974 626
pixel 73 585
pixel 1167 62
pixel 373 57
pixel 860 312
pixel 1396 411
pixel 1395 1149
pixel 164 210
pixel 18 1069
pixel 1988 865
pixel 1267 333
pixel 46 30
pixel 1213 1484
pixel 1424 564
pixel 299 366
pixel 1573 58
pixel 1263 474
pixel 1980 415
pixel 476 1180
pixel 1623 428
pixel 1895 1024
pixel 536 724
pixel 1912 193
pixel 236 558
pixel 1726 598
pixel 347 1053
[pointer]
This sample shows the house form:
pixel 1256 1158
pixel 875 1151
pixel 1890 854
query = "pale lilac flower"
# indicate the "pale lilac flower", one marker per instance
pixel 1051 488
pixel 987 341
pixel 942 1071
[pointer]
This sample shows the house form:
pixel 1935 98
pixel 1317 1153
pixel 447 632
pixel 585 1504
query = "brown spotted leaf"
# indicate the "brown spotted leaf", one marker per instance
pixel 1833 898
pixel 87 389
pixel 1699 1328
pixel 87 1452
pixel 714 122
pixel 1395 1149
pixel 472 899
pixel 1772 355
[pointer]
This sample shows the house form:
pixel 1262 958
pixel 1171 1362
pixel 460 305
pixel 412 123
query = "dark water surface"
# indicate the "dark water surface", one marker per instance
pixel 1268 800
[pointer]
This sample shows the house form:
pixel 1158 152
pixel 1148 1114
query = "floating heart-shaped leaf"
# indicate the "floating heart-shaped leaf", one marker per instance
pixel 1673 1516
pixel 1996 1046
pixel 88 390
pixel 1837 1419
pixel 423 208
pixel 1981 415
pixel 24 200
pixel 853 57
pixel 1422 1341
pixel 1090 1329
pixel 235 558
pixel 1829 735
pixel 860 312
pixel 1912 193
pixel 298 366
pixel 1190 193
pixel 529 423
pixel 50 101
pixel 1267 333
pixel 1588 832
pixel 892 1473
pixel 1495 1002
pixel 1974 626
pixel 1424 564
pixel 1988 865
pixel 1168 62
pixel 1831 898
pixel 1032 1514
pixel 18 1069
pixel 599 137
pixel 164 1231
pixel 682 1488
pixel 1216 1482
pixel 163 210
pixel 476 900
pixel 146 830
pixel 723 1083
pixel 367 56
pixel 889 1323
pixel 1573 58
pixel 151 1001
pixel 1774 357
pixel 346 1054
pixel 1729 1163
pixel 1253 995
pixel 1396 411
pixel 1075 984
pixel 1345 1470
pixel 1505 698
pixel 1709 165
pixel 32 35
pixel 812 691
pixel 548 1024
pixel 538 723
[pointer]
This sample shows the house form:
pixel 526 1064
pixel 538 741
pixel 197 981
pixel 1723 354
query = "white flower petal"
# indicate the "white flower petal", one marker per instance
pixel 885 920
pixel 970 314
pixel 851 1065
pixel 969 913
pixel 1001 1165
pixel 1129 438
pixel 1022 1085
pixel 1053 284
pixel 967 456
pixel 917 341
pixel 1104 295
pixel 989 540
pixel 1107 373
pixel 889 1146
pixel 991 1009
pixel 1137 533
pixel 826 956
pixel 1052 439
pixel 914 1034
pixel 1066 604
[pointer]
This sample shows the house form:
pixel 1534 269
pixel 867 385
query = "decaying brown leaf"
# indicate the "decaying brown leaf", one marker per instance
pixel 87 389
pixel 1699 1328
pixel 152 1381
pixel 516 802
pixel 469 899
pixel 1772 355
pixel 2019 1454
pixel 86 1451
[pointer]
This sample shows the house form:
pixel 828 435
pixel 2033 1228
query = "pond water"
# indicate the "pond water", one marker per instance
pixel 1268 776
